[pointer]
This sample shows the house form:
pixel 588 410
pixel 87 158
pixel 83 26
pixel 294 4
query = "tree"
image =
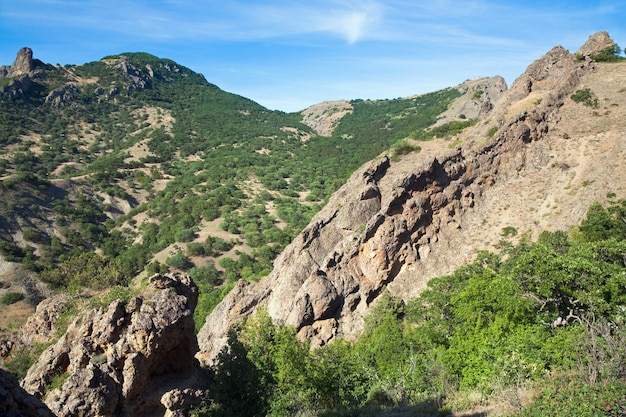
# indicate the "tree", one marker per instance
pixel 608 54
pixel 179 261
pixel 238 388
pixel 604 223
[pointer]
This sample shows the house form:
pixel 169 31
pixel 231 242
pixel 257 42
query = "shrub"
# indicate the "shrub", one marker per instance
pixel 20 362
pixel 586 97
pixel 179 261
pixel 33 235
pixel 608 54
pixel 196 249
pixel 12 297
pixel 185 235
pixel 449 129
pixel 11 252
pixel 115 293
pixel 403 148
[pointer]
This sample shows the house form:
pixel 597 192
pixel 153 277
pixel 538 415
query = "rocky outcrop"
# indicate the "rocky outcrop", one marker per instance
pixel 22 71
pixel 478 98
pixel 17 87
pixel 398 224
pixel 137 80
pixel 23 64
pixel 40 327
pixel 15 402
pixel 130 358
pixel 596 43
pixel 63 95
pixel 324 117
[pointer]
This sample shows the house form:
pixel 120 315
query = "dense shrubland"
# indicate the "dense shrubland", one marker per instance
pixel 544 317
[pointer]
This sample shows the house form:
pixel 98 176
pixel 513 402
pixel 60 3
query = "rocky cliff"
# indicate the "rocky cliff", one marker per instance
pixel 396 224
pixel 128 358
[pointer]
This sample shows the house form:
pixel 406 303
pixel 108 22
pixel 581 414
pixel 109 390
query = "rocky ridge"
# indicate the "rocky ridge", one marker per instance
pixel 477 99
pixel 396 224
pixel 24 71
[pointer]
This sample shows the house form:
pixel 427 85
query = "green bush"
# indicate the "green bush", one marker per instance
pixel 179 261
pixel 570 397
pixel 12 297
pixel 448 129
pixel 19 362
pixel 403 147
pixel 492 131
pixel 608 54
pixel 490 326
pixel 185 235
pixel 33 235
pixel 11 252
pixel 586 97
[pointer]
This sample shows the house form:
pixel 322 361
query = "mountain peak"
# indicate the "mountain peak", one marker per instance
pixel 595 44
pixel 22 65
pixel 23 62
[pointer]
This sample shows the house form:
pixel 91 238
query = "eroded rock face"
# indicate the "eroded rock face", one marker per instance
pixel 398 224
pixel 123 358
pixel 324 117
pixel 63 95
pixel 136 78
pixel 18 87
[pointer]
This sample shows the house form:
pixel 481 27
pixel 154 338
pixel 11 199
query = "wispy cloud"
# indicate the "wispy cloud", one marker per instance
pixel 182 19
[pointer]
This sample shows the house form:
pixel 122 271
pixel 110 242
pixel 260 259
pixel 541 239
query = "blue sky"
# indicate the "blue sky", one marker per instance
pixel 288 54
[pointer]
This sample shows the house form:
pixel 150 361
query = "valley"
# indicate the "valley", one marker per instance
pixel 428 254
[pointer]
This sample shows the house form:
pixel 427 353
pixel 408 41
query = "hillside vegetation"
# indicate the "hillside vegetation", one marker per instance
pixel 135 163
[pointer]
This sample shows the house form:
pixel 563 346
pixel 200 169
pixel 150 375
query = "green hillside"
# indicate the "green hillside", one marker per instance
pixel 119 159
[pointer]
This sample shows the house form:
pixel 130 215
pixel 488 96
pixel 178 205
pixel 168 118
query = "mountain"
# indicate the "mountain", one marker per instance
pixel 147 212
pixel 114 170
